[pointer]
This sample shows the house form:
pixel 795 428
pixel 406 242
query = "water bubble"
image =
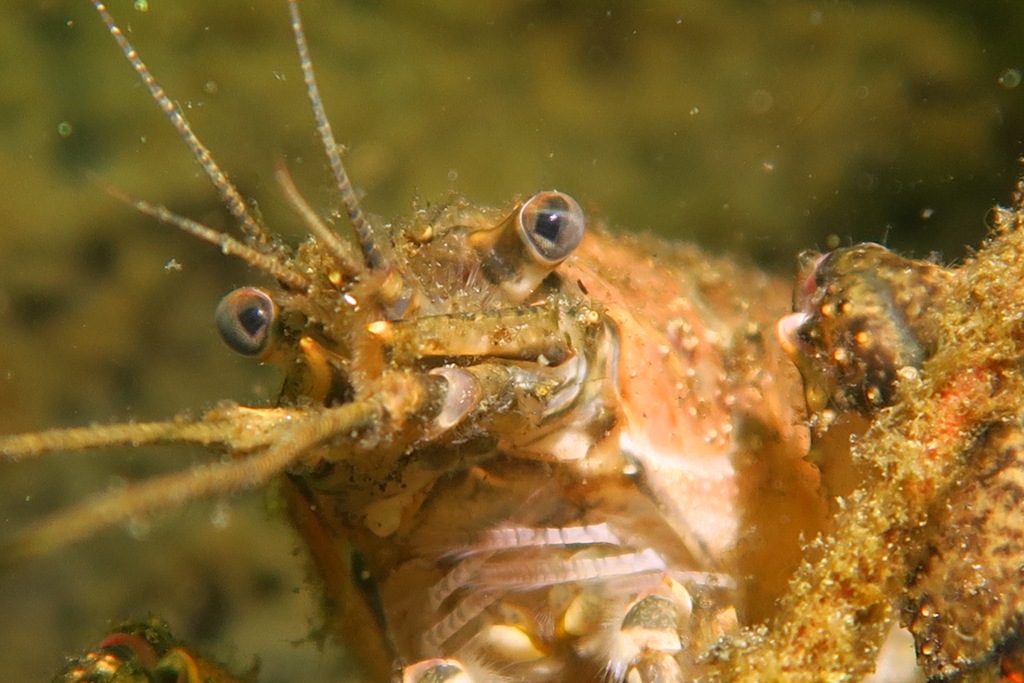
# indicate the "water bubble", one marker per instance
pixel 1010 78
pixel 998 218
pixel 220 517
pixel 138 528
pixel 64 129
pixel 141 5
pixel 760 101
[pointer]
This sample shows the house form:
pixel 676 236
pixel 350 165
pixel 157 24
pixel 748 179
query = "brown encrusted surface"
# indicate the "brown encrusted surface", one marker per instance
pixel 922 450
pixel 968 598
pixel 872 313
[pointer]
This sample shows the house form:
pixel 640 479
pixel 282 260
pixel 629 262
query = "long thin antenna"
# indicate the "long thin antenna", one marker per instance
pixel 364 233
pixel 172 490
pixel 268 263
pixel 228 192
pixel 340 250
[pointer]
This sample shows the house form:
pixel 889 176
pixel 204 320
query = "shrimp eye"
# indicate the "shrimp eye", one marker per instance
pixel 551 224
pixel 246 320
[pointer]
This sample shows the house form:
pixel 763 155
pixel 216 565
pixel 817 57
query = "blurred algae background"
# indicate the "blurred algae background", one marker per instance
pixel 752 127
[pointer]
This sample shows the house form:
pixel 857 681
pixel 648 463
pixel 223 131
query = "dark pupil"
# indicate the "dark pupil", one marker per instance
pixel 548 225
pixel 252 319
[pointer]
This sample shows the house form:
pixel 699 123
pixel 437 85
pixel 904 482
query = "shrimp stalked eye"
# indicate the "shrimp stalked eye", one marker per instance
pixel 551 225
pixel 528 244
pixel 247 321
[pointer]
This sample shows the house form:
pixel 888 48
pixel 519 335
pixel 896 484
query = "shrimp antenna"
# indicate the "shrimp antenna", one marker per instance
pixel 269 459
pixel 267 263
pixel 339 250
pixel 228 192
pixel 364 233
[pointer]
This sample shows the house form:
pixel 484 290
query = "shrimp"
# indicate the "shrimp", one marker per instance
pixel 527 461
pixel 619 450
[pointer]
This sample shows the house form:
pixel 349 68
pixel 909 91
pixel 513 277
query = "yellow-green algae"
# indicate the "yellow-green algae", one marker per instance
pixel 841 602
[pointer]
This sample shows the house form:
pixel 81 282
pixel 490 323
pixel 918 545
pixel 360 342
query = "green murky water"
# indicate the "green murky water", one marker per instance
pixel 753 127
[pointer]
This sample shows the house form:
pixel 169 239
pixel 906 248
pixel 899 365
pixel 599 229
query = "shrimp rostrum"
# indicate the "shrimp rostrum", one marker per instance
pixel 547 452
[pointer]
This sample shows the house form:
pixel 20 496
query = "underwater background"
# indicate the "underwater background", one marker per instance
pixel 754 128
